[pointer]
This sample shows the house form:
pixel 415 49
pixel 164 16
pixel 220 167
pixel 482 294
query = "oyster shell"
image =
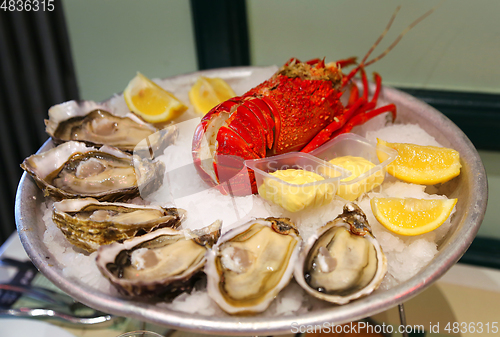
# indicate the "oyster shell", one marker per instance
pixel 95 124
pixel 73 170
pixel 88 223
pixel 162 263
pixel 342 261
pixel 250 264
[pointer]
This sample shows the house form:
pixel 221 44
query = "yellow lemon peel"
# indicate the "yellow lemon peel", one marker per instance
pixel 426 165
pixel 207 92
pixel 410 216
pixel 150 101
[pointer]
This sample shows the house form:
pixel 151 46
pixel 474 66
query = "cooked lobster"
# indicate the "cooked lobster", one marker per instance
pixel 297 109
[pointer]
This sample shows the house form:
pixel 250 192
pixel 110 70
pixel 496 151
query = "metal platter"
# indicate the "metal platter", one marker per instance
pixel 470 188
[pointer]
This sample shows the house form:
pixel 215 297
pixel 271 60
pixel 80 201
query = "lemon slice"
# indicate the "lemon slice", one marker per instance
pixel 409 216
pixel 150 101
pixel 426 165
pixel 208 92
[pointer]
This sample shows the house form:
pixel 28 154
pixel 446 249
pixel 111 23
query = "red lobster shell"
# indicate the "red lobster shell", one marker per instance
pixel 297 109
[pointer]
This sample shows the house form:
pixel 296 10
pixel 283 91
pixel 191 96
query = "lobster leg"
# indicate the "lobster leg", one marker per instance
pixel 363 117
pixel 346 62
pixel 347 78
pixel 354 96
pixel 326 134
pixel 378 86
pixel 366 112
pixel 313 61
pixel 378 81
pixel 373 103
pixel 365 84
pixel 358 113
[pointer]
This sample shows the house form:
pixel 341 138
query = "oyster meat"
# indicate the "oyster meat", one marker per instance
pixel 250 264
pixel 73 170
pixel 162 263
pixel 342 261
pixel 95 124
pixel 88 223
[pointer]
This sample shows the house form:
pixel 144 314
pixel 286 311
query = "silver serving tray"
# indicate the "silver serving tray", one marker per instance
pixel 470 188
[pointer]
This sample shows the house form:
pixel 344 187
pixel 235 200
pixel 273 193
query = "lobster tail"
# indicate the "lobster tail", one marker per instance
pixel 229 134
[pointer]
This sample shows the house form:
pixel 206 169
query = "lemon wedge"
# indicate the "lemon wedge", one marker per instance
pixel 150 101
pixel 358 166
pixel 409 216
pixel 208 92
pixel 426 165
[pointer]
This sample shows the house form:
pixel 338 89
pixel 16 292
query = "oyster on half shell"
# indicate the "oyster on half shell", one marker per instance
pixel 88 223
pixel 162 263
pixel 74 170
pixel 250 264
pixel 342 261
pixel 96 124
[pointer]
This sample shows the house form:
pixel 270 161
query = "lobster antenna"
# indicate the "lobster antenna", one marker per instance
pixel 413 24
pixel 381 35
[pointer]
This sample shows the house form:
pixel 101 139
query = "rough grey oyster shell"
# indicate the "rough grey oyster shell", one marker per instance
pixel 74 170
pixel 161 264
pixel 96 125
pixel 342 261
pixel 88 223
pixel 251 264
